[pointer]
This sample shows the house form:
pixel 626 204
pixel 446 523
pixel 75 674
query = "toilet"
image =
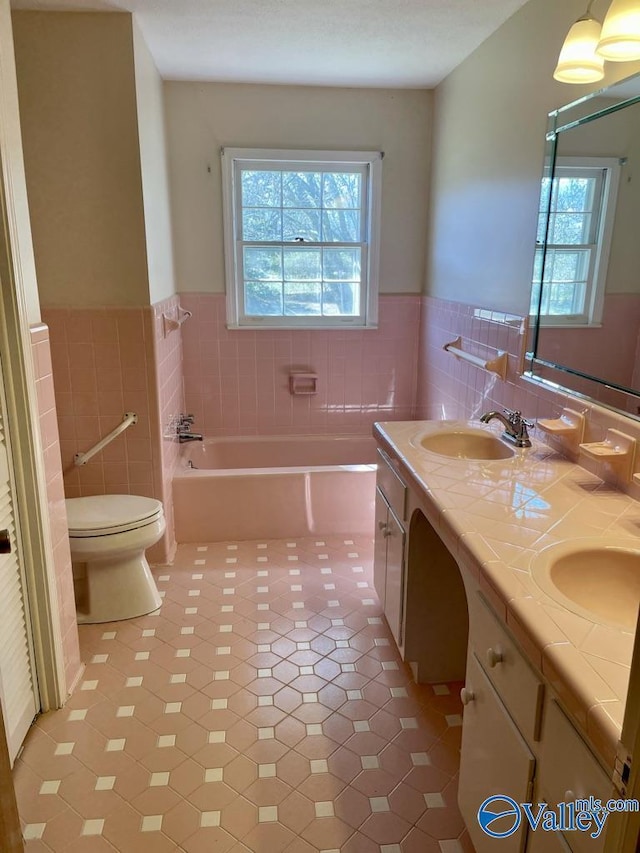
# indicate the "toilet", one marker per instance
pixel 108 535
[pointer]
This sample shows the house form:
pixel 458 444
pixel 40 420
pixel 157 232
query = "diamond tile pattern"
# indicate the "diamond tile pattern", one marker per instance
pixel 249 714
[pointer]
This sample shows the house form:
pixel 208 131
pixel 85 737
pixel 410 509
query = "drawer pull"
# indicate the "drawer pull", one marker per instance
pixel 467 695
pixel 493 657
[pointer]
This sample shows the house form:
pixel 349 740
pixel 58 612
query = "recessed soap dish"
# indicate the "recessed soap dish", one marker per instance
pixel 617 450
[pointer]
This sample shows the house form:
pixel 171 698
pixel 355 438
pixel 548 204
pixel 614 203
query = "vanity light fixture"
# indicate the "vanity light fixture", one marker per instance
pixel 588 43
pixel 578 61
pixel 620 37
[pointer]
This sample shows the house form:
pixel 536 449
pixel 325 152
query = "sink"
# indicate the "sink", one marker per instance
pixel 597 578
pixel 464 443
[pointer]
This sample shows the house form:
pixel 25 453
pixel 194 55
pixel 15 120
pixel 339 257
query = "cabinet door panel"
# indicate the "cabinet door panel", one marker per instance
pixel 380 547
pixel 547 842
pixel 568 770
pixel 394 586
pixel 494 760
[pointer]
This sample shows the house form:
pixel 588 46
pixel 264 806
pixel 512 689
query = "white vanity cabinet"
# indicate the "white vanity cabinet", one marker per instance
pixel 496 758
pixel 517 740
pixel 567 771
pixel 501 723
pixel 389 549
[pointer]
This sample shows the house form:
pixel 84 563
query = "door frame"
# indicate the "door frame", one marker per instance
pixel 22 415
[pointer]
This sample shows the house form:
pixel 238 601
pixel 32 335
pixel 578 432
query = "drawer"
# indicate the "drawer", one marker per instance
pixel 391 485
pixel 520 688
pixel 569 770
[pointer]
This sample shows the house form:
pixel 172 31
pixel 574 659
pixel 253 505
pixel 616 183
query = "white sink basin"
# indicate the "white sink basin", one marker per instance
pixel 598 578
pixel 464 443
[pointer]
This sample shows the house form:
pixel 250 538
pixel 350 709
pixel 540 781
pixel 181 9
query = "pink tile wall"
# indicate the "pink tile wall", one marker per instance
pixel 108 361
pixel 41 352
pixel 237 382
pixel 449 388
pixel 170 401
pixel 608 350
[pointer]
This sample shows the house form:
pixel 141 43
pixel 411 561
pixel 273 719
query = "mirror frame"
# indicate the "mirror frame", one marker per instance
pixel 553 374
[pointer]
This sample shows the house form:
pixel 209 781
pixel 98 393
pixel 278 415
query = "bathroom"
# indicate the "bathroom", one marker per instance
pixel 136 163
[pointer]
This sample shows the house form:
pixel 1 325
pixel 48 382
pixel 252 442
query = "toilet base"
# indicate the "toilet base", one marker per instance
pixel 117 589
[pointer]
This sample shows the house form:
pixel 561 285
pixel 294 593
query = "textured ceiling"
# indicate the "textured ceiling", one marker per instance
pixel 396 43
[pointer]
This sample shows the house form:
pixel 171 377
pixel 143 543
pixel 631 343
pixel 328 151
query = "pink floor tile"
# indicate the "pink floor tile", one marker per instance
pixel 265 708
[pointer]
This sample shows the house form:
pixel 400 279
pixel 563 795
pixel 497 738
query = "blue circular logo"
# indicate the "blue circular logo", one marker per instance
pixel 499 808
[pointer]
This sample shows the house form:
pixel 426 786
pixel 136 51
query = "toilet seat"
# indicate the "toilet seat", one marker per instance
pixel 105 515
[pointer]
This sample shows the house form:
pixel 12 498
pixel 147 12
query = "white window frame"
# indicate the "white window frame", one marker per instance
pixel 371 162
pixel 594 302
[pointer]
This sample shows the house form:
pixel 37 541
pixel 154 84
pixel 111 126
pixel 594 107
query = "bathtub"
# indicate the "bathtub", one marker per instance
pixel 274 487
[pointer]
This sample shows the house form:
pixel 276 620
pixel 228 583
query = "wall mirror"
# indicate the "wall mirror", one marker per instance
pixel 585 298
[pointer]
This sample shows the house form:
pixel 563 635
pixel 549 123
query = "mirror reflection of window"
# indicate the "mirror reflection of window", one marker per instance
pixel 580 202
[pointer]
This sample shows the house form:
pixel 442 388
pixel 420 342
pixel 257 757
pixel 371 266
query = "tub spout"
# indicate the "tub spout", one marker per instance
pixel 185 436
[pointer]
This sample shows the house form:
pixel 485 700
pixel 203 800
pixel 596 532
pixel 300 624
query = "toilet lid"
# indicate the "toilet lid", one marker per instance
pixel 99 515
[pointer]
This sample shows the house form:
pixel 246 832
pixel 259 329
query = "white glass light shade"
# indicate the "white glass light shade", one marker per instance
pixel 620 39
pixel 579 62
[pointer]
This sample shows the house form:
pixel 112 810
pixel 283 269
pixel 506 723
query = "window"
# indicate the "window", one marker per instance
pixel 301 238
pixel 580 200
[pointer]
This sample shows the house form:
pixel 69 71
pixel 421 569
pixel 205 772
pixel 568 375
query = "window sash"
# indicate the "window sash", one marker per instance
pixel 604 173
pixel 367 165
pixel 294 319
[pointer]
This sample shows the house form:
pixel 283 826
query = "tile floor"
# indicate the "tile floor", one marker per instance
pixel 264 708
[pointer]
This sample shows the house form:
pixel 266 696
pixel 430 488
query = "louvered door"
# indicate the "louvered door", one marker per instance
pixel 17 678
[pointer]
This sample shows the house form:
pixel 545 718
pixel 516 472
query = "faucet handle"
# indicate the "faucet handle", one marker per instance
pixel 515 417
pixel 187 419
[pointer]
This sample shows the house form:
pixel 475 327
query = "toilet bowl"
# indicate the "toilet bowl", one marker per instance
pixel 108 535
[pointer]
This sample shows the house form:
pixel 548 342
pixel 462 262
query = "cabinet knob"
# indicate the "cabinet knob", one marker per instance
pixel 385 529
pixel 467 695
pixel 494 657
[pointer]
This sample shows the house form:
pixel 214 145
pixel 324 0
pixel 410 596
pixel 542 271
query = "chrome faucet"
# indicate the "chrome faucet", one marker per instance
pixel 183 429
pixel 515 426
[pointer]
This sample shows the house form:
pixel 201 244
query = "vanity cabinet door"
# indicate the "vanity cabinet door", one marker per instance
pixel 380 546
pixel 494 760
pixel 394 585
pixel 388 564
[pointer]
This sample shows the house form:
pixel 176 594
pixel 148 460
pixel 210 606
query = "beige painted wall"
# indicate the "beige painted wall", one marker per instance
pixel 155 177
pixel 488 144
pixel 80 139
pixel 203 117
pixel 13 174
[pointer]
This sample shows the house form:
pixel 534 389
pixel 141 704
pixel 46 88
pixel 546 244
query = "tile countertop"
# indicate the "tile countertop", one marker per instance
pixel 495 516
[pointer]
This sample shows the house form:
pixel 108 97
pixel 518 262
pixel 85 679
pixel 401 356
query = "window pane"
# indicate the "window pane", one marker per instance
pixel 262 264
pixel 570 228
pixel 302 298
pixel 341 299
pixel 341 189
pixel 261 297
pixel 542 224
pixel 575 194
pixel 301 189
pixel 301 223
pixel 261 189
pixel 341 264
pixel 562 299
pixel 535 296
pixel 302 264
pixel 561 265
pixel 261 224
pixel 341 226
